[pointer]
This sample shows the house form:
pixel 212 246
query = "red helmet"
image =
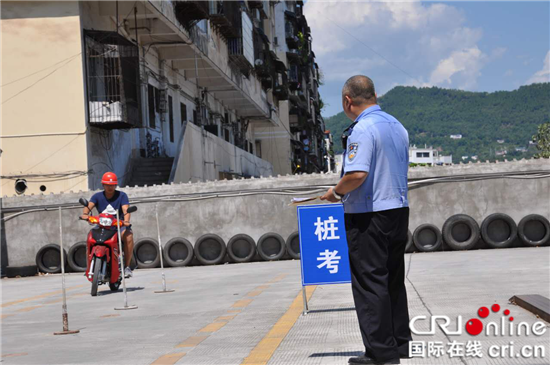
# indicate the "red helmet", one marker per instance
pixel 109 178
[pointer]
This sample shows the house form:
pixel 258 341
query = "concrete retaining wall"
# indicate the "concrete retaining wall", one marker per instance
pixel 258 214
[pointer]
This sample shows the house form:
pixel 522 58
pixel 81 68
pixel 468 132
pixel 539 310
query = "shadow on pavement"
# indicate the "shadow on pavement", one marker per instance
pixel 128 290
pixel 338 354
pixel 331 310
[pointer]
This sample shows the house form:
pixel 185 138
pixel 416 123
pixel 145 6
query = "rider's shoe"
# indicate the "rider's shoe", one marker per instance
pixel 128 273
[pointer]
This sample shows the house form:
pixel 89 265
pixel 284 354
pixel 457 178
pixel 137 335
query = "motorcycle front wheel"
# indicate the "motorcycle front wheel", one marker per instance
pixel 114 286
pixel 97 267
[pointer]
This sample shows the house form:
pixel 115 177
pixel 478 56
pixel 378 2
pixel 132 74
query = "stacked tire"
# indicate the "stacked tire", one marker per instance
pixel 459 232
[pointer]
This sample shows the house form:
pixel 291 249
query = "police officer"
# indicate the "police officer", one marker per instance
pixel 373 189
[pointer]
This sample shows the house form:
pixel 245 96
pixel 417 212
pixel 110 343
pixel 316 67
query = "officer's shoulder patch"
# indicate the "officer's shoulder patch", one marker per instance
pixel 352 150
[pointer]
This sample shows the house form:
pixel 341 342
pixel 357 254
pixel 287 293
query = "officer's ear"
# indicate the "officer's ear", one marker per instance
pixel 347 102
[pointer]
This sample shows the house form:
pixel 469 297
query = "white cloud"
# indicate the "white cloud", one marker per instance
pixel 341 68
pixel 542 75
pixel 429 41
pixel 463 67
pixel 466 64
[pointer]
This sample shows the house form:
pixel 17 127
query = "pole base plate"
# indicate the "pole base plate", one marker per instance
pixel 126 308
pixel 165 291
pixel 66 332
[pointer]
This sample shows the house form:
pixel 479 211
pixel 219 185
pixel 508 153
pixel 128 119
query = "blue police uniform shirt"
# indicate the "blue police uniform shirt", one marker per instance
pixel 378 144
pixel 110 206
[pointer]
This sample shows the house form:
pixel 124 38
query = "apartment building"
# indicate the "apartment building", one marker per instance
pixel 297 145
pixel 156 91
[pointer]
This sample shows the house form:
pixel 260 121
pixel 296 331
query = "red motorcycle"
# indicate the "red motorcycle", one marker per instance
pixel 102 250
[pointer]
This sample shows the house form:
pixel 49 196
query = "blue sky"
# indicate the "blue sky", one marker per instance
pixel 476 46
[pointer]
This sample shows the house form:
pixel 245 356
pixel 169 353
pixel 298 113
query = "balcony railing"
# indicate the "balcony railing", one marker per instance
pixel 238 54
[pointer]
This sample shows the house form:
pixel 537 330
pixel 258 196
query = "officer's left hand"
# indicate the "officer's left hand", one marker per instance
pixel 329 196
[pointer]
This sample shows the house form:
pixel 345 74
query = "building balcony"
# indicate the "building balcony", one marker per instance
pixel 241 54
pixel 293 56
pixel 291 35
pixel 205 58
pixel 297 123
pixel 281 92
pixel 226 17
pixel 292 40
pixel 297 106
pixel 293 77
pixel 262 6
pixel 264 64
pixel 188 13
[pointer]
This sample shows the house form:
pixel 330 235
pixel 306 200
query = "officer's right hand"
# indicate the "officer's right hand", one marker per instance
pixel 84 217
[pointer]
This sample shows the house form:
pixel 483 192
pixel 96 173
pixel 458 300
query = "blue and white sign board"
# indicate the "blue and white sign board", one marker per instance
pixel 323 246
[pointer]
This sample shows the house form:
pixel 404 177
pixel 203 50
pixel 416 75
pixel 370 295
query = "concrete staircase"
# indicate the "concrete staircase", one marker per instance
pixel 151 171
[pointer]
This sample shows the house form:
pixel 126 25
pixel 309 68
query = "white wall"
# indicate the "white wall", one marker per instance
pixel 204 156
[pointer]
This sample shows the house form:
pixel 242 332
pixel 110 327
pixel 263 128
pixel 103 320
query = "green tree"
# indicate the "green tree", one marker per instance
pixel 542 139
pixel 490 123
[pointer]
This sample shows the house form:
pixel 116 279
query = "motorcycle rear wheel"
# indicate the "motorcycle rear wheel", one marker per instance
pixel 97 268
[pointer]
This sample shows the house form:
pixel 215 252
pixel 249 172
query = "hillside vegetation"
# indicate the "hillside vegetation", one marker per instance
pixel 432 114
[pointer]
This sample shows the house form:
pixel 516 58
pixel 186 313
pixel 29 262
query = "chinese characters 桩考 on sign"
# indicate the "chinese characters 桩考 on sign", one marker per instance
pixel 323 245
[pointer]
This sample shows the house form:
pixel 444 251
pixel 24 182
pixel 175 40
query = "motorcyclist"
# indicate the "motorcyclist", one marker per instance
pixel 108 201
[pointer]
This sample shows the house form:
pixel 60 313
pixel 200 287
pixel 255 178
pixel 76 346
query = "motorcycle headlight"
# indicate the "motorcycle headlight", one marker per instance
pixel 106 222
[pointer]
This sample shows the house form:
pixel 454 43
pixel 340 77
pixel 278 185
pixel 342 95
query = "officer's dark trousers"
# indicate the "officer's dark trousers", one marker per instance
pixel 376 250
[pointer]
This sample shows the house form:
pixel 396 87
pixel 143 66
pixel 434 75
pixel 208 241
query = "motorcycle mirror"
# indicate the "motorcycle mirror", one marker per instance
pixel 83 201
pixel 131 209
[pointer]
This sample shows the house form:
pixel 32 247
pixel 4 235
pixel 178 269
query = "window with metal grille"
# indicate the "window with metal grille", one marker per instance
pixel 171 118
pixel 183 113
pixel 259 149
pixel 151 102
pixel 112 80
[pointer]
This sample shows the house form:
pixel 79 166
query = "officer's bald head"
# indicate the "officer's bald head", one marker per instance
pixel 360 89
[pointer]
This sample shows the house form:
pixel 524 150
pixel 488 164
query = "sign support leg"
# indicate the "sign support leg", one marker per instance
pixel 64 314
pixel 304 295
pixel 164 290
pixel 126 306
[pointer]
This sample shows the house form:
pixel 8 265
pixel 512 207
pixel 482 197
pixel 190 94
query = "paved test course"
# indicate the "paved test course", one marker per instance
pixel 251 313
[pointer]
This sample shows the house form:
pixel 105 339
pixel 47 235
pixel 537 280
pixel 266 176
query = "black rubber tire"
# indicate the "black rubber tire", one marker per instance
pixel 147 253
pixel 77 257
pixel 95 277
pixel 461 232
pixel 427 238
pixel 409 247
pixel 178 252
pixel 48 259
pixel 534 230
pixel 499 230
pixel 114 286
pixel 241 248
pixel 267 247
pixel 210 249
pixel 293 245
